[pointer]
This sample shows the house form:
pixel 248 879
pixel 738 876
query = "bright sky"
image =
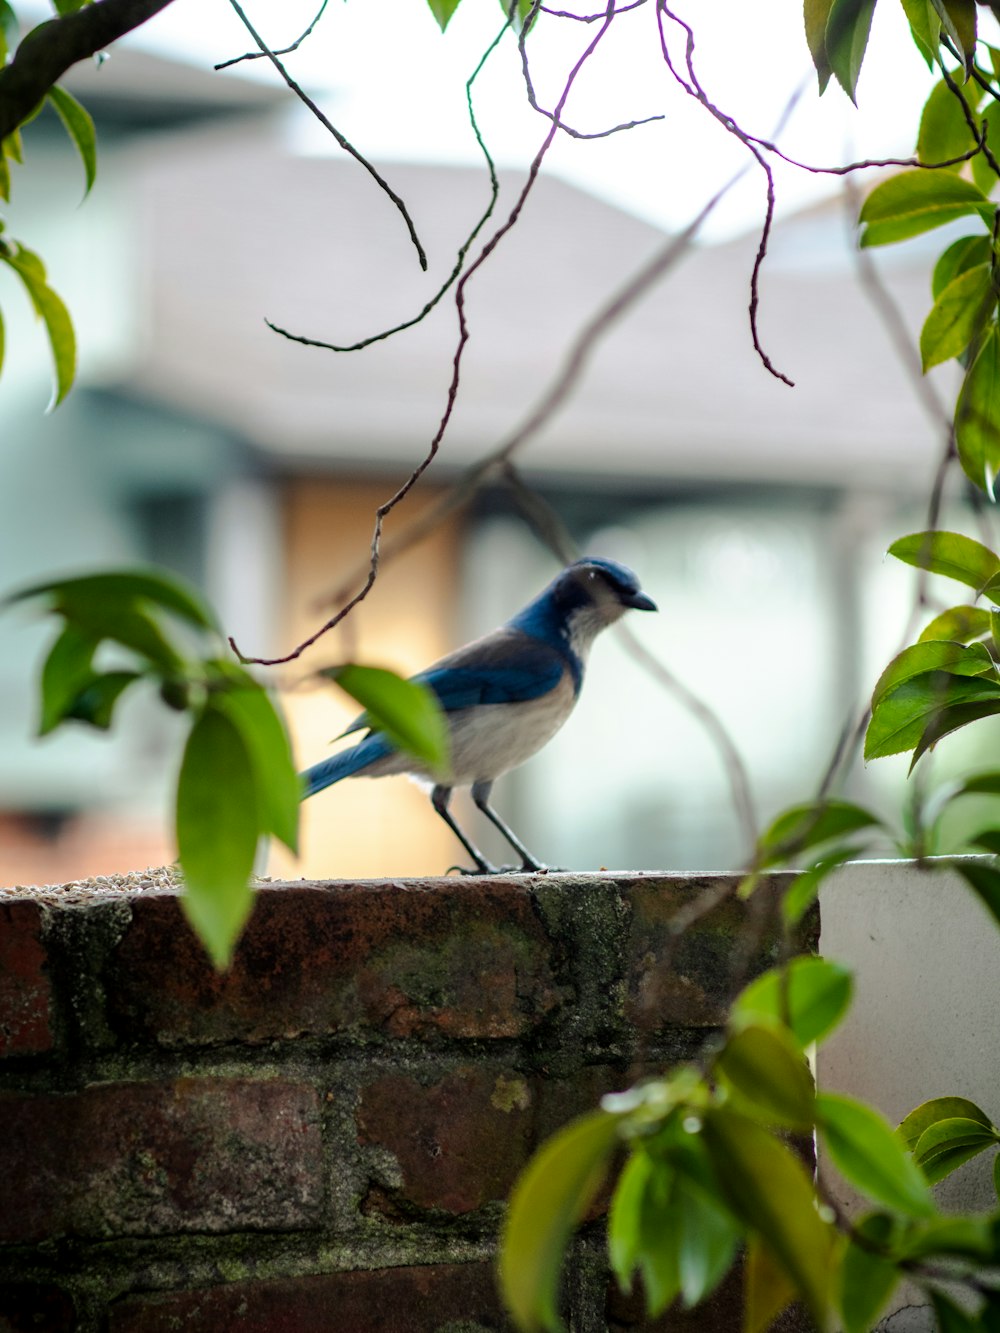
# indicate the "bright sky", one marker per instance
pixel 395 85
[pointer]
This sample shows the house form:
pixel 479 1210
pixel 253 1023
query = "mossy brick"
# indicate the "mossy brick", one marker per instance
pixel 463 958
pixel 153 1158
pixel 26 1026
pixel 430 1298
pixel 686 978
pixel 35 1307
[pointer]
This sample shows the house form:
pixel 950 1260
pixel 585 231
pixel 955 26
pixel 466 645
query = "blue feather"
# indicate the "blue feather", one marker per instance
pixel 345 764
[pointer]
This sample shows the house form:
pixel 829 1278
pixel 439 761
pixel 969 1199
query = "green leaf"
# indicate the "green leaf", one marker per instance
pixel 8 30
pixel 64 7
pixel 846 39
pixel 549 1200
pixel 867 1280
pixel 764 1067
pixel 73 596
pixel 984 882
pixel 53 314
pixel 68 667
pixel 217 830
pixel 707 1238
pixel 970 1237
pixel 944 132
pixel 916 201
pixel 659 1252
pixel 406 710
pixel 816 997
pixel 996 1175
pixel 958 19
pixel 442 11
pixel 950 1317
pixel 802 892
pixel 965 253
pixel 95 703
pixel 920 711
pixel 867 1153
pixel 925 28
pixel 803 826
pixel 948 553
pixel 960 624
pixel 80 129
pixel 988 840
pixel 952 718
pixel 767 1288
pixel 955 658
pixel 816 14
pixel 948 1144
pixel 928 1113
pixel 977 415
pixel 276 782
pixel 625 1217
pixel 958 316
pixel 768 1189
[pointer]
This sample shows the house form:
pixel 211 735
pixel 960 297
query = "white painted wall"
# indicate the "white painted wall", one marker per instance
pixel 925 1021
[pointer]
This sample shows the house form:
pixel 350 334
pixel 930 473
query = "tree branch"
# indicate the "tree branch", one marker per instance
pixel 49 50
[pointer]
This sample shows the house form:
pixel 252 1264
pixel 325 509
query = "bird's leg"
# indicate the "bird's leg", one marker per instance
pixel 481 797
pixel 440 797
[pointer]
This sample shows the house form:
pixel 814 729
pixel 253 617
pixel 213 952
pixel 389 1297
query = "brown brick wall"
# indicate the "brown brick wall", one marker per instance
pixel 323 1138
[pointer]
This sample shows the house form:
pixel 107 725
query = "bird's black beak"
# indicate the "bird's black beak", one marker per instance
pixel 638 601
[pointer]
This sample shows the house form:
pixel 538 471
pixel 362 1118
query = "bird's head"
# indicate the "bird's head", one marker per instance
pixel 605 588
pixel 581 601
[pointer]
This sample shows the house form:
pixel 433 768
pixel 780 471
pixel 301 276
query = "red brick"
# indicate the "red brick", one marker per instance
pixel 687 979
pixel 29 1307
pixel 462 958
pixel 25 988
pixel 388 1300
pixel 461 1141
pixel 143 1159
pixel 458 1143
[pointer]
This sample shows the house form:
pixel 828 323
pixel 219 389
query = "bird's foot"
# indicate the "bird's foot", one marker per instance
pixel 484 869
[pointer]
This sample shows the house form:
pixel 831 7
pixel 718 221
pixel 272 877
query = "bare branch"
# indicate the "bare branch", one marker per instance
pixel 49 50
pixel 284 51
pixel 324 120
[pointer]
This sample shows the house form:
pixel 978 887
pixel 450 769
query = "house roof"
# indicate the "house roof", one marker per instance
pixel 236 228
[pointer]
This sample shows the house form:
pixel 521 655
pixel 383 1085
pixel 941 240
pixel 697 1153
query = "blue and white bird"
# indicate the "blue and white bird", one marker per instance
pixel 503 696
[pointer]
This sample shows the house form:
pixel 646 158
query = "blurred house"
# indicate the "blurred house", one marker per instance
pixel 201 440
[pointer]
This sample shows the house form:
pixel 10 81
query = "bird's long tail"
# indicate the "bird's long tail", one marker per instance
pixel 344 764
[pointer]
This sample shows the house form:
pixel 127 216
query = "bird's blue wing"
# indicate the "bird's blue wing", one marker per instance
pixel 505 667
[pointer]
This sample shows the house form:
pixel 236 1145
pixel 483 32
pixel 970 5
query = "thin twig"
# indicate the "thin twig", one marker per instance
pixel 282 51
pixel 586 18
pixel 324 120
pixel 695 90
pixel 462 251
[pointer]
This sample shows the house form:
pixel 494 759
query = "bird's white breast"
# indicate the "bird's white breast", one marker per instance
pixel 491 739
